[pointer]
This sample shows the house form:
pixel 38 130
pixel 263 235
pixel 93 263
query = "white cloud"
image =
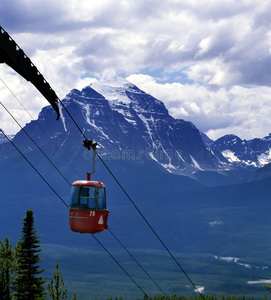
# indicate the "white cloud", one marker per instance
pixel 20 98
pixel 212 46
pixel 239 110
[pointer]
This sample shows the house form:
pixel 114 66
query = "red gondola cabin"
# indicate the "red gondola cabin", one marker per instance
pixel 88 213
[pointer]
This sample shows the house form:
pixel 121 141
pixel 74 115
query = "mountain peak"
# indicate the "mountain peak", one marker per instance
pixel 113 90
pixel 128 123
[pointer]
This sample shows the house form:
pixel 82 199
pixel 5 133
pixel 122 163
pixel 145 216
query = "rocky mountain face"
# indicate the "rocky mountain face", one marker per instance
pixel 235 152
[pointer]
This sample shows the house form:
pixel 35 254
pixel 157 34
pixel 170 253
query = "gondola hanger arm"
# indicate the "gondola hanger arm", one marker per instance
pixel 12 55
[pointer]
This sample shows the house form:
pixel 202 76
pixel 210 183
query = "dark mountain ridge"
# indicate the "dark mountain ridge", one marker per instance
pixel 244 153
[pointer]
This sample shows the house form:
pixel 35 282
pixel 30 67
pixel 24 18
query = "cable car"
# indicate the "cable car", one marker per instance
pixel 87 210
pixel 88 213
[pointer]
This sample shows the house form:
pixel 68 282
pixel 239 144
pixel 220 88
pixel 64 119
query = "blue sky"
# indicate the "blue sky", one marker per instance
pixel 208 61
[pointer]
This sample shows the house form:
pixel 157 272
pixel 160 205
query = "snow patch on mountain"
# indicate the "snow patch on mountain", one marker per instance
pixel 113 90
pixel 230 156
pixel 169 167
pixel 62 118
pixel 91 122
pixel 195 163
pixel 265 158
pixel 145 121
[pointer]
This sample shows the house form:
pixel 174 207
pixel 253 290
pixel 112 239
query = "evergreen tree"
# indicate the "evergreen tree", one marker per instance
pixel 74 297
pixel 28 284
pixel 7 268
pixel 56 287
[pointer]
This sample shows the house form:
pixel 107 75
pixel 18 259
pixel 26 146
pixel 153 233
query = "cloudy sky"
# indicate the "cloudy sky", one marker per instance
pixel 208 61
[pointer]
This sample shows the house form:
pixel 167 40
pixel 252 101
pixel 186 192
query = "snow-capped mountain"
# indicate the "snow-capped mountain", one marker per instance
pixel 243 153
pixel 129 124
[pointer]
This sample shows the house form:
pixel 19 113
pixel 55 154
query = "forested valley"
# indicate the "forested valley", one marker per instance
pixel 21 276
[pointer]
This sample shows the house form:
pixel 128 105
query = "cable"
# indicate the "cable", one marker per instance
pixel 80 130
pixel 160 240
pixel 34 168
pixel 137 262
pixel 152 229
pixel 117 183
pixel 69 184
pixel 35 144
pixel 121 267
pixel 16 98
pixel 68 207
